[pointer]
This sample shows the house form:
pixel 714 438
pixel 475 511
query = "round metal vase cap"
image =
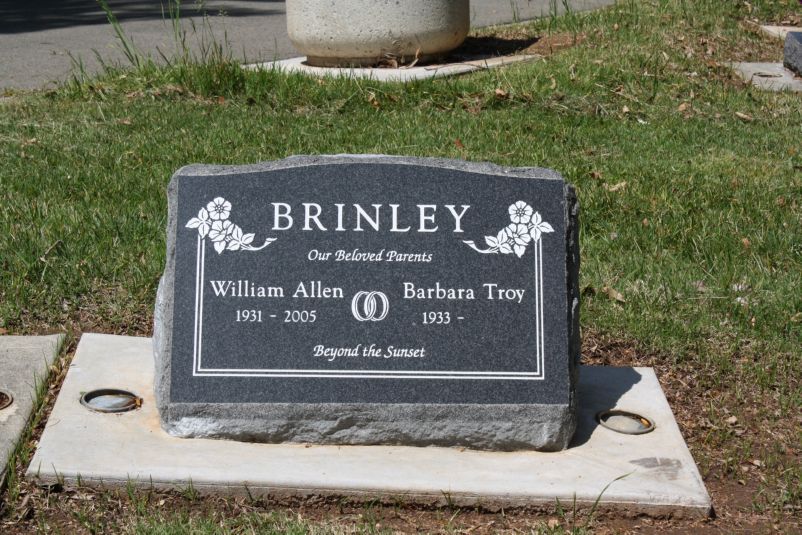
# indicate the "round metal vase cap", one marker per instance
pixel 6 399
pixel 110 400
pixel 625 422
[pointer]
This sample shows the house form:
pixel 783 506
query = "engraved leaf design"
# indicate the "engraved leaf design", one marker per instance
pixel 236 233
pixel 202 222
pixel 537 226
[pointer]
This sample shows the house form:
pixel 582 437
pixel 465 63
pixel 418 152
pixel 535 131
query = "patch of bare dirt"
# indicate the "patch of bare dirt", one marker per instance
pixel 551 44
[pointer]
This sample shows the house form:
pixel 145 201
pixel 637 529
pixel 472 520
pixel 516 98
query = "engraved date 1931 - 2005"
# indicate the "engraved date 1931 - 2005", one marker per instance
pixel 289 316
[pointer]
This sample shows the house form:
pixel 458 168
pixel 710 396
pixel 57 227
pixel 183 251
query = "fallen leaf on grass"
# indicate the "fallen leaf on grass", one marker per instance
pixel 595 174
pixel 732 420
pixel 373 100
pixel 501 94
pixel 746 243
pixel 682 107
pixel 616 187
pixel 614 294
pixel 744 117
pixel 458 143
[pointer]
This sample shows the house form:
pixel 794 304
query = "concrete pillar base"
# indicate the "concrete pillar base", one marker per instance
pixel 316 61
pixel 363 33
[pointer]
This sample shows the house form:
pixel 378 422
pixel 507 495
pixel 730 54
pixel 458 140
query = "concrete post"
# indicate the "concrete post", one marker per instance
pixel 363 32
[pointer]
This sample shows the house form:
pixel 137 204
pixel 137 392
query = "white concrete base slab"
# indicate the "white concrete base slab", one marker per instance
pixel 779 32
pixel 652 473
pixel 769 76
pixel 24 363
pixel 402 74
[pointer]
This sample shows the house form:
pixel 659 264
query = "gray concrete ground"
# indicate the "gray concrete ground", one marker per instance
pixel 652 473
pixel 769 76
pixel 779 32
pixel 39 39
pixel 400 74
pixel 24 361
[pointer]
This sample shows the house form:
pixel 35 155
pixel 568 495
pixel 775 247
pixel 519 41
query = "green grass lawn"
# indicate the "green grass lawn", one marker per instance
pixel 690 185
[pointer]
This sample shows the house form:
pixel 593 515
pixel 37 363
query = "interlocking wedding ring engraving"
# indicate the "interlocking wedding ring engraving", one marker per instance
pixel 365 306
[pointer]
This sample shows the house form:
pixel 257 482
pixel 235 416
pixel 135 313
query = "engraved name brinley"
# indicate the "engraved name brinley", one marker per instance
pixel 214 222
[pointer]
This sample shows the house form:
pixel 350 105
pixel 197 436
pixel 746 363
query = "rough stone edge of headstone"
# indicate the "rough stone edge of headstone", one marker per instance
pixel 486 427
pixel 792 52
pixel 304 161
pixel 255 422
pixel 573 306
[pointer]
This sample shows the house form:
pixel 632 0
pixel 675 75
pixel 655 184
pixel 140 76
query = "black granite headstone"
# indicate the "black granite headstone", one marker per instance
pixel 792 52
pixel 370 300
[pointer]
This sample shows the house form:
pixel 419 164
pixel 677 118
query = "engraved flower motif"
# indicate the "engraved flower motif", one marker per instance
pixel 537 226
pixel 520 212
pixel 202 222
pixel 219 209
pixel 527 227
pixel 519 235
pixel 221 230
pixel 213 221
